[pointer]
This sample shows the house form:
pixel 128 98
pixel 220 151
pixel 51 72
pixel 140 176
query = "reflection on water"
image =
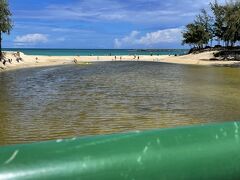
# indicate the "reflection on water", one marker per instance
pixel 59 102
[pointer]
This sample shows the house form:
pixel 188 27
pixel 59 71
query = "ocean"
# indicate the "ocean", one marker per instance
pixel 98 52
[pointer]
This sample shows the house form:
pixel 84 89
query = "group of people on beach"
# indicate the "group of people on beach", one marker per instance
pixel 134 58
pixel 4 61
pixel 10 60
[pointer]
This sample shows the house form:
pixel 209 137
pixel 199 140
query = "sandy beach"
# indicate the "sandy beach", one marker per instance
pixel 21 60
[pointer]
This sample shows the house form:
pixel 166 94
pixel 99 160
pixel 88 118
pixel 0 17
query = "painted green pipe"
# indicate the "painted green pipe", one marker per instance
pixel 206 152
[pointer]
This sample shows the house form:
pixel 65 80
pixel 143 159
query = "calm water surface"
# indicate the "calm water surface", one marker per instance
pixel 97 52
pixel 65 101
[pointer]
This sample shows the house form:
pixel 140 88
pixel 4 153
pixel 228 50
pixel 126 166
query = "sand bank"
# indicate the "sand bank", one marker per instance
pixel 27 61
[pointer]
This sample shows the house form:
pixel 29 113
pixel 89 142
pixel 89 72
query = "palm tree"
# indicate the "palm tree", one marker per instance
pixel 5 21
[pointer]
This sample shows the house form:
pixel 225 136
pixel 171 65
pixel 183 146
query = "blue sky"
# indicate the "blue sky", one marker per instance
pixel 100 23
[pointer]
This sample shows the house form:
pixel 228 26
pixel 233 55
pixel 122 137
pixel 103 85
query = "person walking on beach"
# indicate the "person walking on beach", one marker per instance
pixel 4 62
pixel 75 61
pixel 115 58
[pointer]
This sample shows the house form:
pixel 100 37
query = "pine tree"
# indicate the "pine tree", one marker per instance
pixel 195 35
pixel 5 21
pixel 206 21
pixel 231 23
pixel 224 25
pixel 219 12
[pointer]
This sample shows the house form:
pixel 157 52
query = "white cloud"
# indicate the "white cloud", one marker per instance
pixel 127 39
pixel 161 36
pixel 31 39
pixel 134 11
pixel 149 39
pixel 71 30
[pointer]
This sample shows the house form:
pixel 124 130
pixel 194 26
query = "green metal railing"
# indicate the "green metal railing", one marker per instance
pixel 206 152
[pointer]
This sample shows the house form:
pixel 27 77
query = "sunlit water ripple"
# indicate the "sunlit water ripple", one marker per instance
pixel 65 101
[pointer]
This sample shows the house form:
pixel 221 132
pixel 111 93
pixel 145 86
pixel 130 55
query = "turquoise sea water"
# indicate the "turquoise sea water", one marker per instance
pixel 98 52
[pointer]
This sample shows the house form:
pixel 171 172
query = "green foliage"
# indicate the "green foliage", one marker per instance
pixel 206 21
pixel 196 35
pixel 5 14
pixel 200 32
pixel 5 21
pixel 218 12
pixel 224 26
pixel 231 23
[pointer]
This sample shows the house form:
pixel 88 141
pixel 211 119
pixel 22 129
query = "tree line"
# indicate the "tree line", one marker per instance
pixel 222 24
pixel 5 21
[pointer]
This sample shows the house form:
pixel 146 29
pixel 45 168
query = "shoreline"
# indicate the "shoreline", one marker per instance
pixel 31 61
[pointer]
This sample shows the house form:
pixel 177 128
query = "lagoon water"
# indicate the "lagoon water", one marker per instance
pixel 77 100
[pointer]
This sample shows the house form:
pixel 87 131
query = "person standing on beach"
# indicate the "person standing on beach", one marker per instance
pixel 75 61
pixel 4 62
